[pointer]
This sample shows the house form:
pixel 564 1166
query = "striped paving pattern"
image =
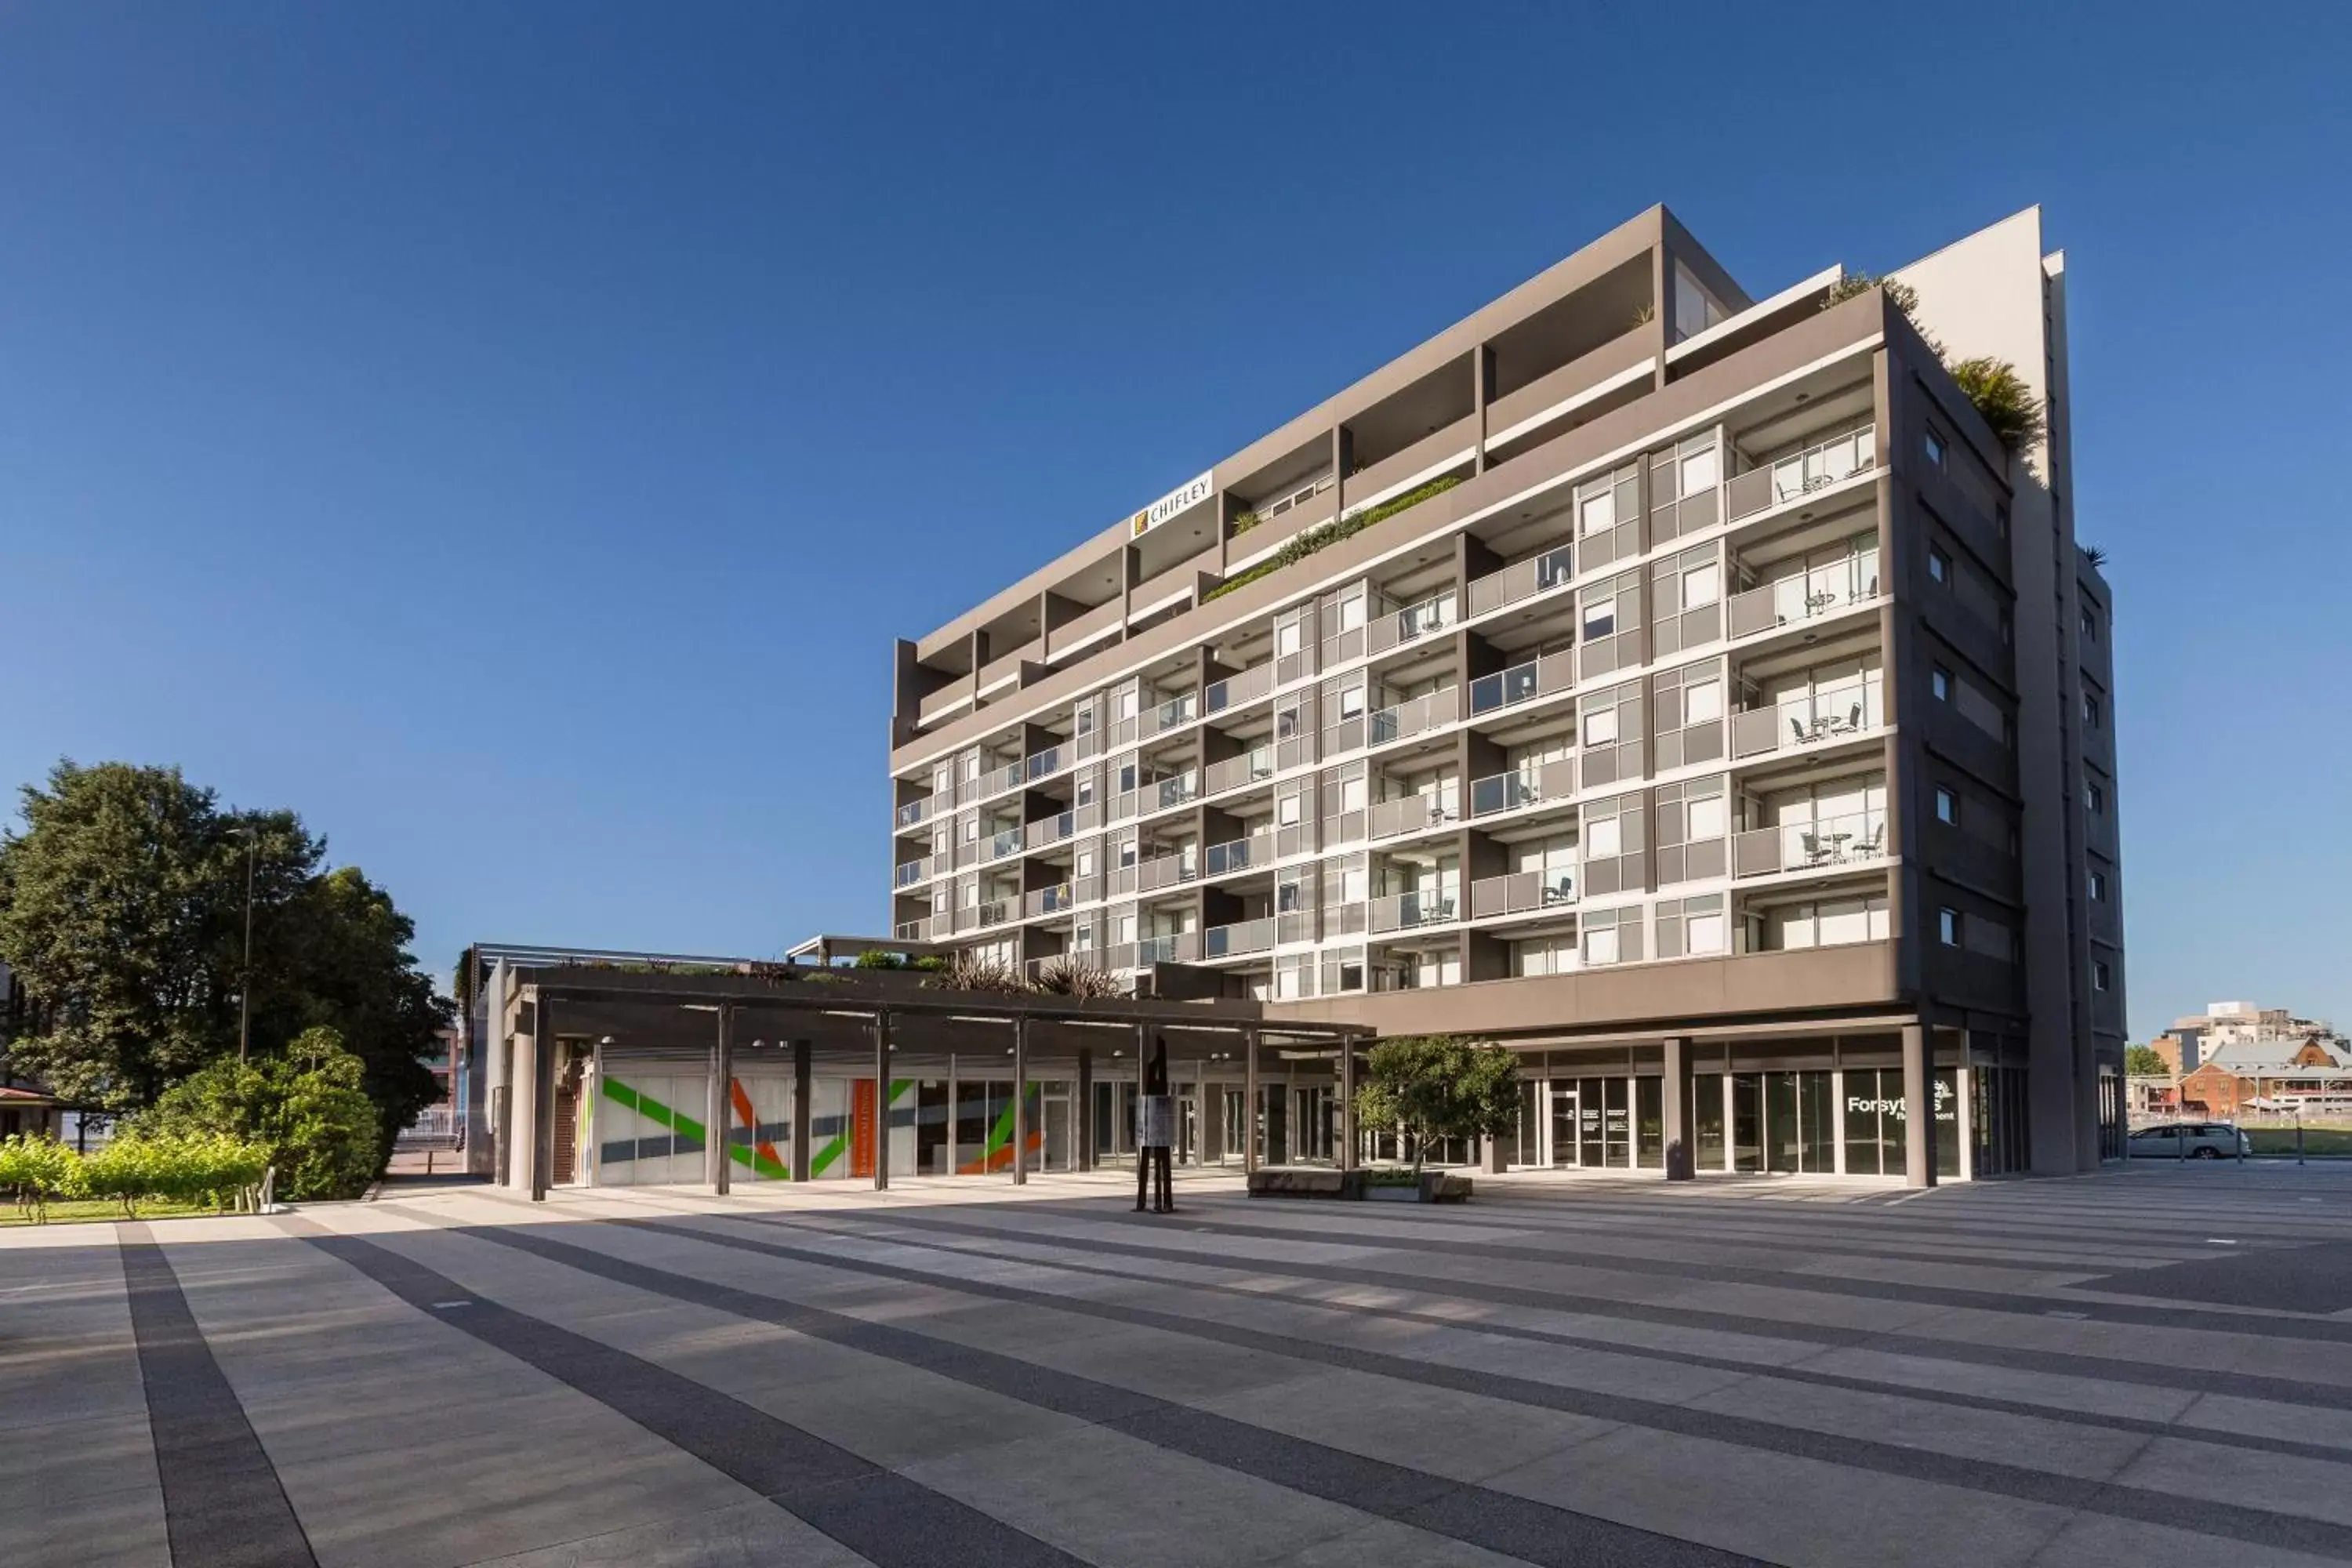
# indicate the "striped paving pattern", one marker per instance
pixel 2144 1366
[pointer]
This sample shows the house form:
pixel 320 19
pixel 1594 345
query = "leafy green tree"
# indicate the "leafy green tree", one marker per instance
pixel 306 1110
pixel 2142 1061
pixel 1434 1087
pixel 122 909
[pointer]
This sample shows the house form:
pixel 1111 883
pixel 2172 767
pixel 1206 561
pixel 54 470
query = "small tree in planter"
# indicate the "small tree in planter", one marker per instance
pixel 1435 1087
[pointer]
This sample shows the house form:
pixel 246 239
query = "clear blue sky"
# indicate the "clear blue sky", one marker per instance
pixel 512 434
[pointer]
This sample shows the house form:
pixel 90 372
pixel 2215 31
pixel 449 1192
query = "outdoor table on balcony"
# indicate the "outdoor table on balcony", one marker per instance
pixel 1837 844
pixel 1820 600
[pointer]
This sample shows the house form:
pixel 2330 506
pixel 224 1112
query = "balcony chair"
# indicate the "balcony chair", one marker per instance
pixel 1797 729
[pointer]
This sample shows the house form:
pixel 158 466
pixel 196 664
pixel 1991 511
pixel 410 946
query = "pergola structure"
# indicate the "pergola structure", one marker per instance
pixel 549 1012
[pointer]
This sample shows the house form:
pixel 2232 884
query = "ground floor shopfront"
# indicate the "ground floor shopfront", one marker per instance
pixel 643 1120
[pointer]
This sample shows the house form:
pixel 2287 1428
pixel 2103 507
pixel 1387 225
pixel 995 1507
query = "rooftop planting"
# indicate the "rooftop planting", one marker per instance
pixel 1307 541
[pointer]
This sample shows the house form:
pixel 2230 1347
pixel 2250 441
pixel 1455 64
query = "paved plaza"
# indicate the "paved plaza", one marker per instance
pixel 2146 1367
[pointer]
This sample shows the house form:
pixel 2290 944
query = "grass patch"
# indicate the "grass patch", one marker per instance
pixel 2331 1141
pixel 82 1211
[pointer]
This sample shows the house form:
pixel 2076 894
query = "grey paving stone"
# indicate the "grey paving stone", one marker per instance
pixel 748 1535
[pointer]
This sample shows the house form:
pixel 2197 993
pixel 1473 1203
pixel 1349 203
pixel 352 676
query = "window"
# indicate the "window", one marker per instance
pixel 2090 627
pixel 1597 513
pixel 1600 618
pixel 2102 977
pixel 2000 519
pixel 1947 927
pixel 1935 448
pixel 1600 946
pixel 1703 933
pixel 1351 702
pixel 1937 567
pixel 1705 817
pixel 1602 837
pixel 1700 470
pixel 2091 711
pixel 971 830
pixel 1286 811
pixel 1702 585
pixel 1703 703
pixel 1086 862
pixel 1351 793
pixel 2098 887
pixel 2097 798
pixel 1286 639
pixel 1600 728
pixel 1948 806
pixel 1941 684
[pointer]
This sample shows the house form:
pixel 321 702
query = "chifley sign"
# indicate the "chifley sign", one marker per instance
pixel 1179 500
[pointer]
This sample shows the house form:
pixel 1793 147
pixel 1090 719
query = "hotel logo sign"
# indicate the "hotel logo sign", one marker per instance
pixel 1182 498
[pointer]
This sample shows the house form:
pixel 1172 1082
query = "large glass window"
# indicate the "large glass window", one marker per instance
pixel 1747 1122
pixel 1650 1123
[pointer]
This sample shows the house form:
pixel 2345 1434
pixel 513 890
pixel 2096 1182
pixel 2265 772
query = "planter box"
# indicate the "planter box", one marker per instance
pixel 1435 1186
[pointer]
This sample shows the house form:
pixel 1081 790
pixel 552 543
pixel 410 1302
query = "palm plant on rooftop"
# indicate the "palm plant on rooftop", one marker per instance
pixel 2000 395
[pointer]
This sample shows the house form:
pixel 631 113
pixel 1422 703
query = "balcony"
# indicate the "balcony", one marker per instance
pixel 909 872
pixel 1814 469
pixel 997 846
pixel 1409 814
pixel 1523 580
pixel 1049 901
pixel 1232 940
pixel 1177 947
pixel 1499 793
pixel 1235 690
pixel 1399 627
pixel 1053 830
pixel 1542 676
pixel 1235 772
pixel 1855 838
pixel 1522 892
pixel 996 911
pixel 915 813
pixel 1804 597
pixel 1005 669
pixel 1410 911
pixel 1237 854
pixel 1406 719
pixel 1165 871
pixel 1159 795
pixel 1796 723
pixel 916 931
pixel 1172 714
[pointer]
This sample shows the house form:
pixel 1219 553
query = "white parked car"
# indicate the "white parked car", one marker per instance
pixel 2205 1140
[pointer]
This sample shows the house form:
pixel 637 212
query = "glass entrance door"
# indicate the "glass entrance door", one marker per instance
pixel 1564 1145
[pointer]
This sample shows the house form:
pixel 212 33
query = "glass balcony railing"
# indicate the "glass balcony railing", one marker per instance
pixel 1410 814
pixel 1522 580
pixel 1250 767
pixel 1237 855
pixel 1792 723
pixel 1008 842
pixel 1409 719
pixel 1522 892
pixel 1851 838
pixel 1803 596
pixel 1401 627
pixel 909 872
pixel 1524 682
pixel 1408 911
pixel 1505 791
pixel 1243 936
pixel 1816 468
pixel 1237 690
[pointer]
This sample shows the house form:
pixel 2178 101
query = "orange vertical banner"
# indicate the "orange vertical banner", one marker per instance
pixel 862 1127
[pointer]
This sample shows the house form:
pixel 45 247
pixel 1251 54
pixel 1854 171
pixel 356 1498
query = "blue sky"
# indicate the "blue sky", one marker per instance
pixel 512 434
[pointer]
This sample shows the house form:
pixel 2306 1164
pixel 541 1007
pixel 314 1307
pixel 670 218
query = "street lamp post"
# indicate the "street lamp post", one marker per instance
pixel 244 980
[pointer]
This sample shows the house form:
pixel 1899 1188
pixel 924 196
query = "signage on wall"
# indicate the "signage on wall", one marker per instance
pixel 1188 495
pixel 863 1124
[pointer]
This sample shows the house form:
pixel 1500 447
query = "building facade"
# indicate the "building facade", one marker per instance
pixel 1689 690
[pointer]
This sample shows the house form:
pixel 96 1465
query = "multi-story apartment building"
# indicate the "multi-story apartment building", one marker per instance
pixel 1687 690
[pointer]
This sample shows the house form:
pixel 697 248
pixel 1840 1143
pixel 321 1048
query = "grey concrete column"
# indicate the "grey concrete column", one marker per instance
pixel 1020 1101
pixel 803 1088
pixel 543 1101
pixel 518 1139
pixel 881 1101
pixel 1086 1116
pixel 722 1125
pixel 1347 1102
pixel 1250 1111
pixel 1918 1109
pixel 1680 1123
